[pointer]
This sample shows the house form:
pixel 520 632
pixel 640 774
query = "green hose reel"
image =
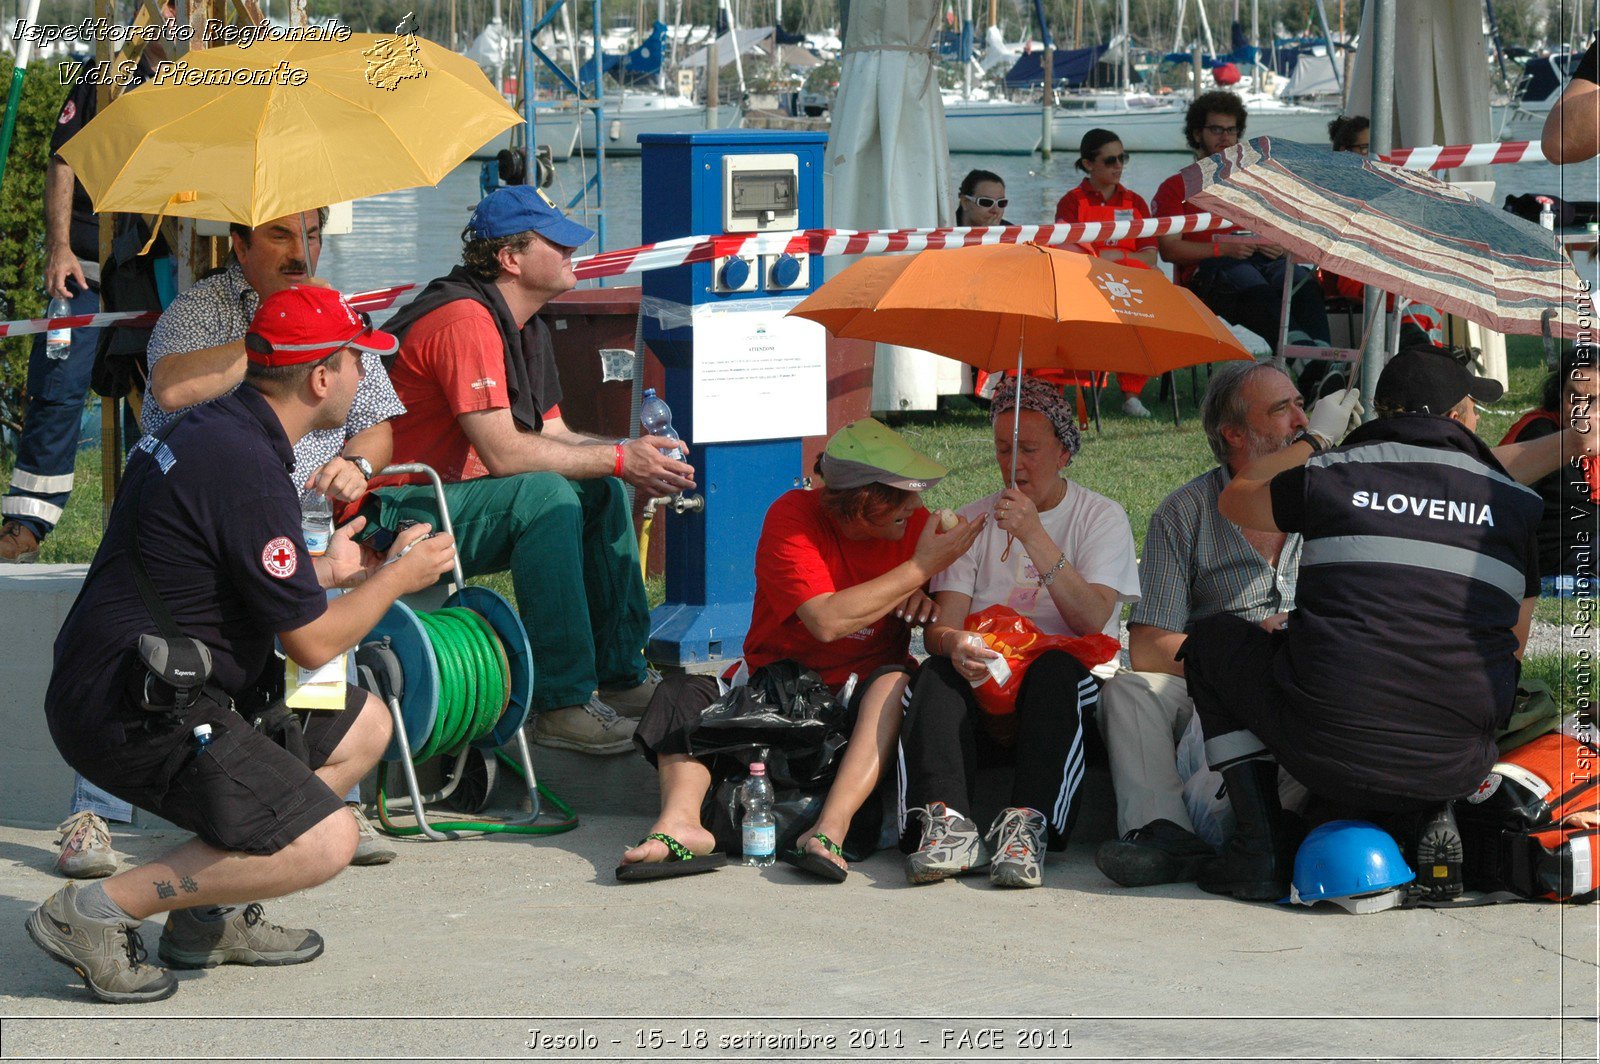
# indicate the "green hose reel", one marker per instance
pixel 457 679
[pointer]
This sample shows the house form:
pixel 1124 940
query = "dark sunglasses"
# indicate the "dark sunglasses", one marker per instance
pixel 1223 131
pixel 988 203
pixel 1114 160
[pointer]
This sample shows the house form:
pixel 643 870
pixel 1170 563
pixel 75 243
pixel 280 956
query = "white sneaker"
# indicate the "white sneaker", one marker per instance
pixel 1133 408
pixel 592 728
pixel 85 847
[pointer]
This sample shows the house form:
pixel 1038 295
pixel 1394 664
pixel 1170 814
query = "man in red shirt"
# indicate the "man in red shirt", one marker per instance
pixel 477 374
pixel 1239 280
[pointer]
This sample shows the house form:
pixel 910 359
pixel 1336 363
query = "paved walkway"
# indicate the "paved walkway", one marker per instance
pixel 461 949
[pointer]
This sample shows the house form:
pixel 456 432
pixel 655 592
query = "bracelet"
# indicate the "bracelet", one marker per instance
pixel 1216 250
pixel 617 470
pixel 1061 563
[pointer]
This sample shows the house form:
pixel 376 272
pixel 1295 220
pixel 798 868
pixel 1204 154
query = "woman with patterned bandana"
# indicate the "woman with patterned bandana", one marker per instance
pixel 1063 557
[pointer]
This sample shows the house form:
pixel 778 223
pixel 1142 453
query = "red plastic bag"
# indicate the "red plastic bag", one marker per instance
pixel 1019 641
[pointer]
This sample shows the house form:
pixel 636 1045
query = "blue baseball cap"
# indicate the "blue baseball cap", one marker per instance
pixel 520 208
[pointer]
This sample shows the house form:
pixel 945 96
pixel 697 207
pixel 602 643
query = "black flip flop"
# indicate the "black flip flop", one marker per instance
pixel 814 863
pixel 681 861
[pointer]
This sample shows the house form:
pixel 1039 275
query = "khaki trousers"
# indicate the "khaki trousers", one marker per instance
pixel 1142 716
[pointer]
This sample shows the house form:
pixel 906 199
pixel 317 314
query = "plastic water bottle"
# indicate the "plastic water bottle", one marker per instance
pixel 1547 212
pixel 758 830
pixel 202 737
pixel 58 342
pixel 316 522
pixel 656 417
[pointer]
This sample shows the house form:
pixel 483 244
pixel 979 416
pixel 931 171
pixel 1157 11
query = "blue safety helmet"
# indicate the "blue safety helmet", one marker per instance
pixel 1352 863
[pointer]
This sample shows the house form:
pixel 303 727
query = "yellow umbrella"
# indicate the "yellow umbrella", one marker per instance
pixel 250 133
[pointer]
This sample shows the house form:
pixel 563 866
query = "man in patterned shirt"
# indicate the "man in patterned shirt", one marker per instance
pixel 197 354
pixel 1196 563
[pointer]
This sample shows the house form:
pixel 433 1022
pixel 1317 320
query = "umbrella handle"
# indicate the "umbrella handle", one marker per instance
pixel 155 227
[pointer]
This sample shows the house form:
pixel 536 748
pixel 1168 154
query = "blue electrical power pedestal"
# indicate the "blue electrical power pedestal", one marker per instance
pixel 721 181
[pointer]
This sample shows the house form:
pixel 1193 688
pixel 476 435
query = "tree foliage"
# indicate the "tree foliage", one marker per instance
pixel 22 225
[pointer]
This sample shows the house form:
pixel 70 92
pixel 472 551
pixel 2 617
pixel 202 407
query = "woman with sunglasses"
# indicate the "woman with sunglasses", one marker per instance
pixel 982 199
pixel 1102 197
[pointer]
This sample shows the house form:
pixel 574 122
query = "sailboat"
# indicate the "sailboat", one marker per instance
pixel 1146 122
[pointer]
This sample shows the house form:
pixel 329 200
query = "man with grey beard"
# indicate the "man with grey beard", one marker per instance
pixel 1196 564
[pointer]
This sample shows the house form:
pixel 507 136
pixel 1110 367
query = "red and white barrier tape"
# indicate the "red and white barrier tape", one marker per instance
pixel 666 254
pixel 1450 156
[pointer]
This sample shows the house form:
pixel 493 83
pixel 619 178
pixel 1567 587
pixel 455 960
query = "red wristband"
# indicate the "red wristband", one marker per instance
pixel 1216 250
pixel 617 472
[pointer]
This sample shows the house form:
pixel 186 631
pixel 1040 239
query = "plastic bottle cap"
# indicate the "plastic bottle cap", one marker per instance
pixel 202 731
pixel 757 768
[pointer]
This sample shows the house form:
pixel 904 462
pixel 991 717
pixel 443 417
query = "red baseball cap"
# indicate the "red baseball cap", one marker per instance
pixel 307 323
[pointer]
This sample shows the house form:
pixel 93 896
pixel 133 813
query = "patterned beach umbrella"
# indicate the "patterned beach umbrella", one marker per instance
pixel 1400 230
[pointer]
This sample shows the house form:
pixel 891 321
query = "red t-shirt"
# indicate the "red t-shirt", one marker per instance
pixel 801 555
pixel 1084 204
pixel 1169 201
pixel 451 363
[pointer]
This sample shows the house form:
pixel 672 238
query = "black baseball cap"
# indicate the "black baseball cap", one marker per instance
pixel 1430 382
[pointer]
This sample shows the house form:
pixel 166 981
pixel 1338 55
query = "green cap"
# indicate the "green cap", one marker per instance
pixel 870 452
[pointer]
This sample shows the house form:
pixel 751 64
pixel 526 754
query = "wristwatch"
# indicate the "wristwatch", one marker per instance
pixel 1318 444
pixel 361 464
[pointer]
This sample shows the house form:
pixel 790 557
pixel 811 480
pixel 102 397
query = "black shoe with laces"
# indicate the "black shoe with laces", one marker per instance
pixel 1159 852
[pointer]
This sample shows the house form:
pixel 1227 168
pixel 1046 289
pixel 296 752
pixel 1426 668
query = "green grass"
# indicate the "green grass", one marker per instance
pixel 1137 462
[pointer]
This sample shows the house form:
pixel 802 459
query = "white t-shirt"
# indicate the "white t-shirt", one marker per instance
pixel 1093 531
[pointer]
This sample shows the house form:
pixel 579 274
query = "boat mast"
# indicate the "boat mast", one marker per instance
pixel 966 47
pixel 733 32
pixel 1127 51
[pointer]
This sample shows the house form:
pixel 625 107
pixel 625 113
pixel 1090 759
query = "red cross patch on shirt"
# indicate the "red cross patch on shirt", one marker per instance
pixel 279 558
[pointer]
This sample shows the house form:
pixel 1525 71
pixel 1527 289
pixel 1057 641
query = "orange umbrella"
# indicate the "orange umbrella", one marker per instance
pixel 1023 306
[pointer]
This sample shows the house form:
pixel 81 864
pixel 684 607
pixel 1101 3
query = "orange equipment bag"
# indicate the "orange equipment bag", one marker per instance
pixel 1019 641
pixel 1530 827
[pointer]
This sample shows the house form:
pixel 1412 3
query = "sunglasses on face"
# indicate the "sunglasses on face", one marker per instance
pixel 1223 131
pixel 988 202
pixel 1114 160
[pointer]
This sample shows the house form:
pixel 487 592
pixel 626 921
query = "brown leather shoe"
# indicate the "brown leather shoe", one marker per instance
pixel 18 543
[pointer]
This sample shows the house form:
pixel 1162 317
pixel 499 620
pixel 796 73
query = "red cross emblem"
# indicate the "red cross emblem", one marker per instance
pixel 279 558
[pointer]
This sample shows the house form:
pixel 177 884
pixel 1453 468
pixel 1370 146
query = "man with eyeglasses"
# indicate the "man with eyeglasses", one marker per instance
pixel 1240 280
pixel 528 494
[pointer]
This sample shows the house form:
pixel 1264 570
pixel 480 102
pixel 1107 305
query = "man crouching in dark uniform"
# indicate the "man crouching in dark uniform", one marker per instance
pixel 204 555
pixel 1383 694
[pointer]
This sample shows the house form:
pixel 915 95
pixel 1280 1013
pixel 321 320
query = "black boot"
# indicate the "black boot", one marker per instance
pixel 1438 854
pixel 1252 866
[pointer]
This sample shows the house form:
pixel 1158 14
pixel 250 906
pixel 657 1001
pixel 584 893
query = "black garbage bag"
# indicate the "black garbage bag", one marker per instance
pixel 785 710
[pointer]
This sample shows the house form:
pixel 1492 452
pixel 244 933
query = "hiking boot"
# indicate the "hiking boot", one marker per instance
pixel 630 700
pixel 1438 856
pixel 110 957
pixel 950 846
pixel 85 847
pixel 1018 837
pixel 1159 852
pixel 592 728
pixel 371 848
pixel 18 543
pixel 242 937
pixel 1134 408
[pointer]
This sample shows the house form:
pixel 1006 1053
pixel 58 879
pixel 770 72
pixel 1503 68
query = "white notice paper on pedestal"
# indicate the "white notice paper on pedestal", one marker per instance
pixel 757 374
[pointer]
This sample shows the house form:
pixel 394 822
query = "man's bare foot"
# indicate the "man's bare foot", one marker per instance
pixel 652 851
